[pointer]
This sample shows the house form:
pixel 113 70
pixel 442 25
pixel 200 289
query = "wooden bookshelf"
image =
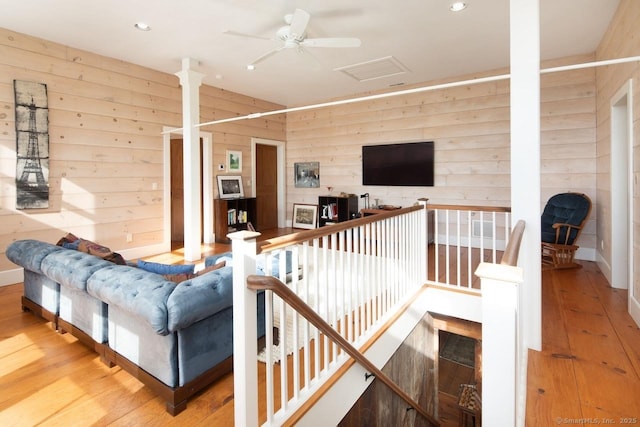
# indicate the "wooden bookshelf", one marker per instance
pixel 333 209
pixel 233 215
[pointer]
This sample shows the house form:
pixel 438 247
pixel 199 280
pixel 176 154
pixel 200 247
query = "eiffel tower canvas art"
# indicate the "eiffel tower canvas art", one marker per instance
pixel 32 145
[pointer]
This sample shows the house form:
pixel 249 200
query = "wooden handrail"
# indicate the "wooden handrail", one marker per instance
pixel 306 235
pixel 469 208
pixel 512 250
pixel 256 282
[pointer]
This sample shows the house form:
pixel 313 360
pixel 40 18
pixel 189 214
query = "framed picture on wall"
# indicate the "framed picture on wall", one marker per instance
pixel 234 161
pixel 305 216
pixel 230 187
pixel 307 174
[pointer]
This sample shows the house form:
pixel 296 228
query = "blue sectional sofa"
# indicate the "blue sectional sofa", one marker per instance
pixel 177 338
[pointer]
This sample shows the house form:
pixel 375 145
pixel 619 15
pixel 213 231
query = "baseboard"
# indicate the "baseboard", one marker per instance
pixel 634 309
pixel 586 254
pixel 11 277
pixel 605 267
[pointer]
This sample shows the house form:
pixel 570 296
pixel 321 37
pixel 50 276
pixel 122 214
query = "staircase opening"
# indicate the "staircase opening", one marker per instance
pixel 458 369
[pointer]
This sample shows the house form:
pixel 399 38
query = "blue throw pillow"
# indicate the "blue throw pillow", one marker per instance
pixel 71 245
pixel 158 268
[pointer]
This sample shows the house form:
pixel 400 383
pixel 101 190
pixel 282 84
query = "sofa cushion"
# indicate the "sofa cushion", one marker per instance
pixel 200 297
pixel 72 268
pixel 136 291
pixel 30 253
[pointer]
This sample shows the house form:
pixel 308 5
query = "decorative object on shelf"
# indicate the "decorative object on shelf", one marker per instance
pixel 305 216
pixel 234 161
pixel 32 145
pixel 307 174
pixel 365 196
pixel 230 186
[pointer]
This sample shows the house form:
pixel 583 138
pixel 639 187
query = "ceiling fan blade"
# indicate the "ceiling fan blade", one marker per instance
pixel 266 55
pixel 235 33
pixel 332 42
pixel 299 23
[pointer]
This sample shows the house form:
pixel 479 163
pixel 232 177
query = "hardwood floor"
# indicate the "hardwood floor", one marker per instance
pixel 588 371
pixel 589 368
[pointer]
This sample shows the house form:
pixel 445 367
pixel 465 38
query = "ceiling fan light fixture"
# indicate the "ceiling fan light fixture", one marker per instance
pixel 142 26
pixel 293 36
pixel 457 6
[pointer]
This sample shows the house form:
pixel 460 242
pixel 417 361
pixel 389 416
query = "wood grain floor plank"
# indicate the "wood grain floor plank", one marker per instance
pixel 552 391
pixel 595 377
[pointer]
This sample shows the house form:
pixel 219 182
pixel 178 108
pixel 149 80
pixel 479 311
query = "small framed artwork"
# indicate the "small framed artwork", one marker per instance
pixel 234 161
pixel 230 187
pixel 305 216
pixel 307 174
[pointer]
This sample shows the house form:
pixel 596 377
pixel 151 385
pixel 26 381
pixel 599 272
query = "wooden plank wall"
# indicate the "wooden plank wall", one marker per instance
pixel 107 115
pixel 105 122
pixel 621 40
pixel 470 127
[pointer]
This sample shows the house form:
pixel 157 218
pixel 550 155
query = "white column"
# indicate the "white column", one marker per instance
pixel 207 189
pixel 190 81
pixel 525 156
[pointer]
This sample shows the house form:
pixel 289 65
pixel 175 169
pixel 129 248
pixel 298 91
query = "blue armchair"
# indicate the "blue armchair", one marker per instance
pixel 563 218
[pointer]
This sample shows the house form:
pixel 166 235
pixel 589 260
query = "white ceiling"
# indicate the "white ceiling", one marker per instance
pixel 423 35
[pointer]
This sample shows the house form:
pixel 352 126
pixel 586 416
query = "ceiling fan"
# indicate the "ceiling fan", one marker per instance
pixel 293 36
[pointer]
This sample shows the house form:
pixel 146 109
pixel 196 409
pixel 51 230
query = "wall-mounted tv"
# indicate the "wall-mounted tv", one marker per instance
pixel 402 164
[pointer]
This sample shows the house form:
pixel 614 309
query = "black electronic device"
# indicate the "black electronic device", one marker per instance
pixel 400 164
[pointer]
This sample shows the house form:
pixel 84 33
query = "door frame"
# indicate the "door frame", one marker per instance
pixel 207 185
pixel 621 191
pixel 280 171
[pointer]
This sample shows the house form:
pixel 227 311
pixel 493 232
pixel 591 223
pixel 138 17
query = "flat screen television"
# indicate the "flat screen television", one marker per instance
pixel 402 164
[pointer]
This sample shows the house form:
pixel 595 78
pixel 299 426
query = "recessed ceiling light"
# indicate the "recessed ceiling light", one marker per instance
pixel 251 67
pixel 142 26
pixel 457 6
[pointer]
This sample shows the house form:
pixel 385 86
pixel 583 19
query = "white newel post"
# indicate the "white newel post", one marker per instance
pixel 190 81
pixel 500 342
pixel 245 325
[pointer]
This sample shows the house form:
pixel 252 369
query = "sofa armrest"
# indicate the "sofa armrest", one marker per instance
pixel 30 253
pixel 201 297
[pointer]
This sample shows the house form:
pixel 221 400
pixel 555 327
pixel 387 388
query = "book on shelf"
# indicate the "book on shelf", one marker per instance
pixel 242 216
pixel 231 216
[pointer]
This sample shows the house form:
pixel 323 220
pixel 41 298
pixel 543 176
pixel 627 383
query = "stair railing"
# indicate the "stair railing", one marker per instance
pixel 270 283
